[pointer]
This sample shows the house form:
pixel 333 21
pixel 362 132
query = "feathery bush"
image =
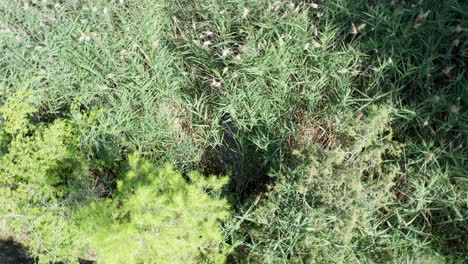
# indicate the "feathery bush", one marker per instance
pixel 157 216
pixel 41 177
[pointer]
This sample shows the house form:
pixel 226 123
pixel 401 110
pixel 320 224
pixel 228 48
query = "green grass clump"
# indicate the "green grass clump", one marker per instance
pixel 333 209
pixel 108 56
pixel 259 66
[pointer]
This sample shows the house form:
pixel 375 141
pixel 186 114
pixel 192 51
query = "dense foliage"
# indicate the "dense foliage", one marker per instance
pixel 157 217
pixel 342 126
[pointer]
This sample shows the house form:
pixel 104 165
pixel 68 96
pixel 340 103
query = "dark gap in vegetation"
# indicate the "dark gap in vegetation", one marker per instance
pixel 12 252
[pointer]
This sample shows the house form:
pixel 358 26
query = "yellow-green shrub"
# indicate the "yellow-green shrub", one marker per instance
pixel 39 180
pixel 157 216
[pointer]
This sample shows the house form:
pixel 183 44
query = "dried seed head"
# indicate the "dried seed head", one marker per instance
pixel 361 27
pixel 226 52
pixel 423 16
pixel 197 42
pixel 355 72
pixel 316 44
pixel 215 83
pixel 455 109
pixel 206 44
pixel 353 29
pixel 447 70
pixel 246 12
pixel 84 37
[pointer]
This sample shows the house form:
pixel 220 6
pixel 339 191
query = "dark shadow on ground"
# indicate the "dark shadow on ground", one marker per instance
pixel 13 253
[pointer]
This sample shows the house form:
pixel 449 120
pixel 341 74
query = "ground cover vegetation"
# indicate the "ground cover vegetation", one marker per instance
pixel 228 131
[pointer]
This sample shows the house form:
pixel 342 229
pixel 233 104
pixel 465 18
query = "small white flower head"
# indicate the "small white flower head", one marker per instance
pixel 447 70
pixel 246 12
pixel 355 72
pixel 281 40
pixel 225 70
pixel 361 27
pixel 105 11
pixel 207 44
pixel 422 17
pixel 355 30
pixel 157 43
pixel 316 44
pixel 390 61
pixel 426 122
pixel 226 52
pixel 208 33
pixel 215 83
pixel 458 29
pixel 306 46
pixel 5 31
pixel 84 37
pixel 197 42
pixel 454 109
pixel 430 156
pixel 456 42
pixel 314 5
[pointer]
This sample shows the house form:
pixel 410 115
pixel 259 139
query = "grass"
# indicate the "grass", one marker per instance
pixel 259 90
